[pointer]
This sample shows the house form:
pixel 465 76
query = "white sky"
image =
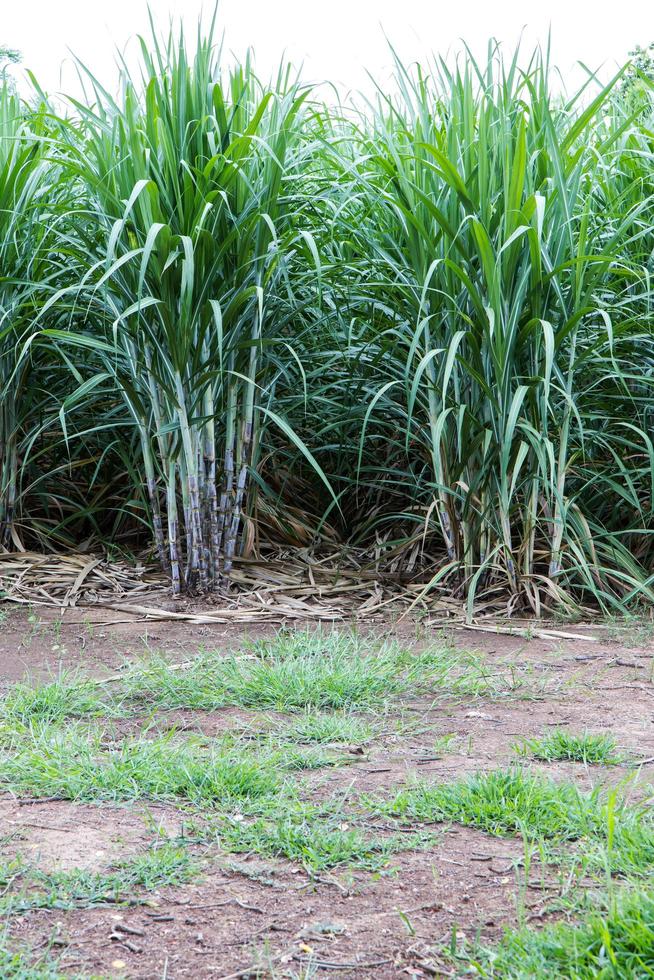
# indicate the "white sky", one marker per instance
pixel 336 40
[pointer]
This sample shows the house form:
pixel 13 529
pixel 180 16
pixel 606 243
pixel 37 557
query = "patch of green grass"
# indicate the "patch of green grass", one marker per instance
pixel 632 629
pixel 626 848
pixel 25 887
pixel 614 837
pixel 162 864
pixel 66 697
pixel 23 963
pixel 562 746
pixel 317 846
pixel 444 743
pixel 326 729
pixel 616 941
pixel 75 765
pixel 312 671
pixel 338 675
pixel 311 759
pixel 501 802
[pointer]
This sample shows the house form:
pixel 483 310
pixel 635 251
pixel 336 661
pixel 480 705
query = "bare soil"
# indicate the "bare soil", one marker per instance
pixel 248 913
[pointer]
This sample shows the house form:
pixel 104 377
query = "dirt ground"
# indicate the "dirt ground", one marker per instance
pixel 247 911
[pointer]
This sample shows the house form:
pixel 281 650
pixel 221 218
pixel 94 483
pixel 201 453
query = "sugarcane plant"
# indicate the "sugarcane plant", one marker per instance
pixel 420 331
pixel 511 263
pixel 26 211
pixel 185 175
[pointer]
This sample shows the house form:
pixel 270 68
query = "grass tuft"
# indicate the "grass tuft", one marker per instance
pixel 25 887
pixel 66 697
pixel 311 671
pixel 614 837
pixel 501 802
pixel 22 963
pixel 324 729
pixel 617 941
pixel 316 846
pixel 76 765
pixel 560 746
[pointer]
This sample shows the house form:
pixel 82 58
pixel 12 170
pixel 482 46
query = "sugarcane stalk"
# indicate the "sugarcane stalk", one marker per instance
pixel 557 518
pixel 439 472
pixel 9 470
pixel 244 454
pixel 173 529
pixel 210 485
pixel 196 559
pixel 232 531
pixel 153 495
pixel 155 399
pixel 200 463
pixel 531 522
pixel 224 515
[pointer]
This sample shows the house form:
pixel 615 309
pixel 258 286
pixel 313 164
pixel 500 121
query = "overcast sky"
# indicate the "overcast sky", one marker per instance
pixel 334 39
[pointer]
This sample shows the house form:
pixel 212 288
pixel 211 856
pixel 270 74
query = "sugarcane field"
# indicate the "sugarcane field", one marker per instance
pixel 326 492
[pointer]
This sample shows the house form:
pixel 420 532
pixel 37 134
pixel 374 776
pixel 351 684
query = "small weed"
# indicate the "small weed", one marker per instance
pixel 35 625
pixel 444 743
pixel 564 747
